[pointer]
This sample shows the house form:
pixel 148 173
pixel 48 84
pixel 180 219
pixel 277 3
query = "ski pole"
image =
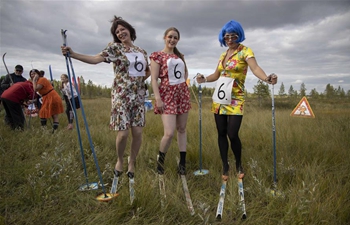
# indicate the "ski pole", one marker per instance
pixel 274 138
pixel 200 171
pixel 7 70
pixel 64 36
pixel 74 109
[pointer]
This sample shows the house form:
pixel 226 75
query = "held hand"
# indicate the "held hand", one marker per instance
pixel 65 50
pixel 200 78
pixel 272 79
pixel 36 77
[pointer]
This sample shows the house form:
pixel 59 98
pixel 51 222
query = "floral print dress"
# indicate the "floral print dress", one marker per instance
pixel 128 88
pixel 236 69
pixel 175 96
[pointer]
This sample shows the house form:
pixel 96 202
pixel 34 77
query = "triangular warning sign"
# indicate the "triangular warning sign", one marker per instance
pixel 303 109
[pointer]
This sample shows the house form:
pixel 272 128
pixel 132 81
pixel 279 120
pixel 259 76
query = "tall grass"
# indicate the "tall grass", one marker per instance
pixel 41 172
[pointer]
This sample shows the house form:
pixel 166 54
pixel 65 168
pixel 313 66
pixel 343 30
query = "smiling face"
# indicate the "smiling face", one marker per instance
pixel 123 34
pixel 171 38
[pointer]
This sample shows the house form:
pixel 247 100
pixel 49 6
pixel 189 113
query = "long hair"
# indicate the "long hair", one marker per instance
pixel 35 71
pixel 176 50
pixel 231 27
pixel 119 21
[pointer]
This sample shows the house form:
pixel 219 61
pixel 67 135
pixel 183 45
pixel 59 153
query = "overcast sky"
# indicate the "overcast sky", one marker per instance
pixel 302 41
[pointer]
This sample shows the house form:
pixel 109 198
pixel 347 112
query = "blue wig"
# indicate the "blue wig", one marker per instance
pixel 231 27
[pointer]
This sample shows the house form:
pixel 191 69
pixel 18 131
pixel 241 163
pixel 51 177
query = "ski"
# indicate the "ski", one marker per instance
pixel 241 198
pixel 115 182
pixel 220 208
pixel 131 185
pixel 187 192
pixel 187 195
pixel 161 188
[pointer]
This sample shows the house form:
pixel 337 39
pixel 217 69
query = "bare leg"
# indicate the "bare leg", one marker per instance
pixel 135 147
pixel 121 140
pixel 169 124
pixel 181 131
pixel 181 122
pixel 55 118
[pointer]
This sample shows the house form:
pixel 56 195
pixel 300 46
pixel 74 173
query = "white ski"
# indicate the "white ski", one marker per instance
pixel 241 198
pixel 131 186
pixel 187 192
pixel 220 208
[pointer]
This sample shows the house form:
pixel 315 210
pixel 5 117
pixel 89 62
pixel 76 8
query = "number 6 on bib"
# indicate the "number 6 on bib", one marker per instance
pixel 223 90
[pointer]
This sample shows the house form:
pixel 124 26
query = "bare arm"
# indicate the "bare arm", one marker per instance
pixel 148 73
pixel 90 59
pixel 211 78
pixel 154 81
pixel 259 73
pixel 186 70
pixel 154 78
pixel 36 86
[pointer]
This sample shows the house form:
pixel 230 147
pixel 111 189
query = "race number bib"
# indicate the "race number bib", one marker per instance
pixel 176 71
pixel 137 64
pixel 223 90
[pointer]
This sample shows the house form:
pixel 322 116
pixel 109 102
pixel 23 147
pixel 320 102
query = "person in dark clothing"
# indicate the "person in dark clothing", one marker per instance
pixel 12 78
pixel 12 99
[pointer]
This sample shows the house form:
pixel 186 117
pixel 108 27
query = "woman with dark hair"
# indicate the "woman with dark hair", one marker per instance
pixel 131 69
pixel 172 97
pixel 229 94
pixel 52 102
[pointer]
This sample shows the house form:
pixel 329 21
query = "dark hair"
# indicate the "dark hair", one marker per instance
pixel 19 67
pixel 35 71
pixel 42 73
pixel 119 21
pixel 176 51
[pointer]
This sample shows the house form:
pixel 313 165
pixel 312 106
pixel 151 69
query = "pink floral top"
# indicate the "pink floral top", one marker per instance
pixel 174 94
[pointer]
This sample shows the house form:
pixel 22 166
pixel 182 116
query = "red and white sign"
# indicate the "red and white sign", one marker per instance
pixel 303 109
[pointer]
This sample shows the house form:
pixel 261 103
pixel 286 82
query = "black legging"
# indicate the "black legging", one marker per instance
pixel 229 126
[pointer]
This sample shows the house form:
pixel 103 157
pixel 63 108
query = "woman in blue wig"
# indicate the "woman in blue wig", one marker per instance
pixel 229 94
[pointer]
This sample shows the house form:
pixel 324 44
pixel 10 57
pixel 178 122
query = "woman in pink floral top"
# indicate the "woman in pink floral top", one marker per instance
pixel 131 69
pixel 229 94
pixel 172 96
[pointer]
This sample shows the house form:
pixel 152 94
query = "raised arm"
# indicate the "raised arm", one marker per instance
pixel 90 59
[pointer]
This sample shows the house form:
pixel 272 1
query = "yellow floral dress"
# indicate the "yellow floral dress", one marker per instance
pixel 232 74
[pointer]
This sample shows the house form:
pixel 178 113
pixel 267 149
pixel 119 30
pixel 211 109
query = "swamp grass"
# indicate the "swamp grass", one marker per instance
pixel 41 172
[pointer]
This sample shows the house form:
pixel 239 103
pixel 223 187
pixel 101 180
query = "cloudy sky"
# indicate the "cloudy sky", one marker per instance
pixel 302 41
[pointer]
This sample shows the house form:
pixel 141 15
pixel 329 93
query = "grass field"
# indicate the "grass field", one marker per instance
pixel 41 172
